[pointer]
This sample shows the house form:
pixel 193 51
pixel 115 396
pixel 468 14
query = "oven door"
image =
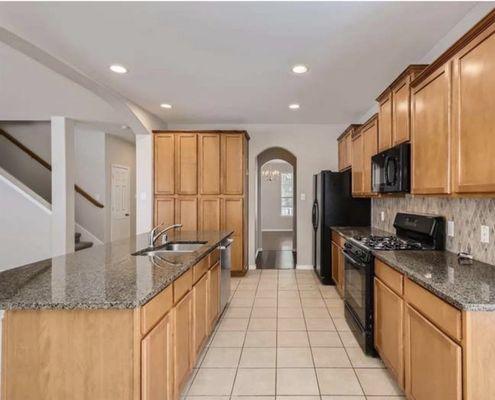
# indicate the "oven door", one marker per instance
pixel 356 287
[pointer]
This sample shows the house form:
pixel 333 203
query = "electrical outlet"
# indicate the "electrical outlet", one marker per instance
pixel 450 228
pixel 382 216
pixel 303 196
pixel 485 234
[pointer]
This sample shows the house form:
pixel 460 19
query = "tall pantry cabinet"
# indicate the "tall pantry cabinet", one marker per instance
pixel 201 182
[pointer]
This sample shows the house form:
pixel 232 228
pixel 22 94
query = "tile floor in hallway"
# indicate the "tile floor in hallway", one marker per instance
pixel 284 337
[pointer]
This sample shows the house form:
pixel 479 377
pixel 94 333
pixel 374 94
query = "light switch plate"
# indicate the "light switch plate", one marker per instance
pixel 450 228
pixel 382 216
pixel 485 234
pixel 303 196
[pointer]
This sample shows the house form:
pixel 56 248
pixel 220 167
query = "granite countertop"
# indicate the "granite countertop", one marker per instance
pixel 101 277
pixel 466 287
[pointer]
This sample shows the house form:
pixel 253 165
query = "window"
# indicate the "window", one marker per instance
pixel 286 194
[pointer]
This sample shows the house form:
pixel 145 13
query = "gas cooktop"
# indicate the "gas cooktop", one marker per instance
pixel 375 242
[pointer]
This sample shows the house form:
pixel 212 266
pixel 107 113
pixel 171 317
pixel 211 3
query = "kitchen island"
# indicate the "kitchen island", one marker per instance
pixel 104 324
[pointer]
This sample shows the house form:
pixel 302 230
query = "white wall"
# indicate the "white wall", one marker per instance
pixel 271 192
pixel 314 145
pixel 119 152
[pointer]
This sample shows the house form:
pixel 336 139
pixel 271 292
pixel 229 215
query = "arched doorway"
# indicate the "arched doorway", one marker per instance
pixel 276 211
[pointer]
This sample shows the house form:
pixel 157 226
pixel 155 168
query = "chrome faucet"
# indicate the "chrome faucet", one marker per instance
pixel 156 233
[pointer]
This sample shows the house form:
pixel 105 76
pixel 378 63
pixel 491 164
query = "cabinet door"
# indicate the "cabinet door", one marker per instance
pixel 209 163
pixel 474 116
pixel 341 285
pixel 186 163
pixel 430 134
pixel 433 368
pixel 370 147
pixel 335 263
pixel 164 163
pixel 209 214
pixel 200 313
pixel 156 362
pixel 357 165
pixel 186 213
pixel 232 163
pixel 183 342
pixel 232 219
pixel 401 120
pixel 348 146
pixel 389 321
pixel 385 123
pixel 342 154
pixel 213 295
pixel 164 210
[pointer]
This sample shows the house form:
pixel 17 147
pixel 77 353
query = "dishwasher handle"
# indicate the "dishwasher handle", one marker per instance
pixel 226 243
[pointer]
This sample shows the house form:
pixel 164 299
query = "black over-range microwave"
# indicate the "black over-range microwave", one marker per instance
pixel 391 170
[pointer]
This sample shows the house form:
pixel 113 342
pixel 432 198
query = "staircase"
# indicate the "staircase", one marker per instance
pixel 81 245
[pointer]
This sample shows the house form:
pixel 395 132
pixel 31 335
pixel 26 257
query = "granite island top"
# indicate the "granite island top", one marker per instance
pixel 469 287
pixel 101 277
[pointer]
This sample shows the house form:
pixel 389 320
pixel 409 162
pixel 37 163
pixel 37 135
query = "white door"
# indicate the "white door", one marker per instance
pixel 121 192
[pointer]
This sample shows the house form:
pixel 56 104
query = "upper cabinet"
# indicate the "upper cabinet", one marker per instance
pixel 345 147
pixel 186 163
pixel 364 146
pixel 430 151
pixel 394 113
pixel 164 163
pixel 473 115
pixel 357 164
pixel 209 163
pixel 233 167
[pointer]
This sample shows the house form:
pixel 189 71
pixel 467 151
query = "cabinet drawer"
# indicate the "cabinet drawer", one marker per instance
pixel 214 257
pixel 182 285
pixel 200 269
pixel 443 315
pixel 338 239
pixel 393 279
pixel 155 309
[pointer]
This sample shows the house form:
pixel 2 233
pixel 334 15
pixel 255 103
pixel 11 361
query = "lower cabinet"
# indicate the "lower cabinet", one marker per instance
pixel 389 320
pixel 156 362
pixel 183 341
pixel 213 295
pixel 433 361
pixel 200 313
pixel 338 268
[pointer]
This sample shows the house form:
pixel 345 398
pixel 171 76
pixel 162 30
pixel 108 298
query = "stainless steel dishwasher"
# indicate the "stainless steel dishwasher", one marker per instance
pixel 225 263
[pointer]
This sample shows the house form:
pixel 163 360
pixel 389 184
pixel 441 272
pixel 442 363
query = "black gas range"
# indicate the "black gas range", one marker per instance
pixel 413 232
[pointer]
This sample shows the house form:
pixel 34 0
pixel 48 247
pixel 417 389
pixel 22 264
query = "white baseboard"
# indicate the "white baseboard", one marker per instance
pixel 305 267
pixel 87 236
pixel 276 230
pixel 252 267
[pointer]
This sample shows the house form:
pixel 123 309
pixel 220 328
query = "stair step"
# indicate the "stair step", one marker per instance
pixel 83 245
pixel 77 237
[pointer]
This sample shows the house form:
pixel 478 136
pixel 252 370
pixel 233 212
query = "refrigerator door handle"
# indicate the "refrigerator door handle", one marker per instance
pixel 317 215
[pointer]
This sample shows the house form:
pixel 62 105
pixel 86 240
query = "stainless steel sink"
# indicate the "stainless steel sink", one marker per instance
pixel 170 248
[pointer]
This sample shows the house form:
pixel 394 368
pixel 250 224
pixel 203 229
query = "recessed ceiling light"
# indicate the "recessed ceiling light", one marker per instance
pixel 165 105
pixel 299 69
pixel 294 106
pixel 119 69
pixel 124 127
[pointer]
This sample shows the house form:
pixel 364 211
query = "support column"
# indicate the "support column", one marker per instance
pixel 144 183
pixel 63 171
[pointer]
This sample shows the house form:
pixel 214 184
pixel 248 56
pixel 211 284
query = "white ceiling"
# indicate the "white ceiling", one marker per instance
pixel 225 62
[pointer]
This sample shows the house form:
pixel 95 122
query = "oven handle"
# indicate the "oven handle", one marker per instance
pixel 353 261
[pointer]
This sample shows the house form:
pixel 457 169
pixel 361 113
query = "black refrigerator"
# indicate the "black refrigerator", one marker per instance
pixel 333 205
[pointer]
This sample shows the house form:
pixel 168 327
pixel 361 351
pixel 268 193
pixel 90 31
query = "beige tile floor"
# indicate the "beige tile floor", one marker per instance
pixel 284 337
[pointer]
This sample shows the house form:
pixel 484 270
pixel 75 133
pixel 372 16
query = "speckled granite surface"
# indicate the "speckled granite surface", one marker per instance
pixel 101 277
pixel 466 287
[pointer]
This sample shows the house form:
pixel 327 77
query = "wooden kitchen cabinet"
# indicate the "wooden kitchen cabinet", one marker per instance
pixel 232 218
pixel 342 149
pixel 433 361
pixel 232 164
pixel 357 165
pixel 213 295
pixel 388 326
pixel 183 341
pixel 164 144
pixel 209 163
pixel 156 362
pixel 345 147
pixel 164 210
pixel 430 134
pixel 186 163
pixel 201 323
pixel 385 121
pixel 209 213
pixel 338 268
pixel 186 213
pixel 473 115
pixel 369 133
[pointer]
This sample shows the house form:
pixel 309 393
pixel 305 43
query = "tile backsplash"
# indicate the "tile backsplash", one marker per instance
pixel 468 216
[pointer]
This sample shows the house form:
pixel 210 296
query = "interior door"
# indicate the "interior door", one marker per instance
pixel 121 195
